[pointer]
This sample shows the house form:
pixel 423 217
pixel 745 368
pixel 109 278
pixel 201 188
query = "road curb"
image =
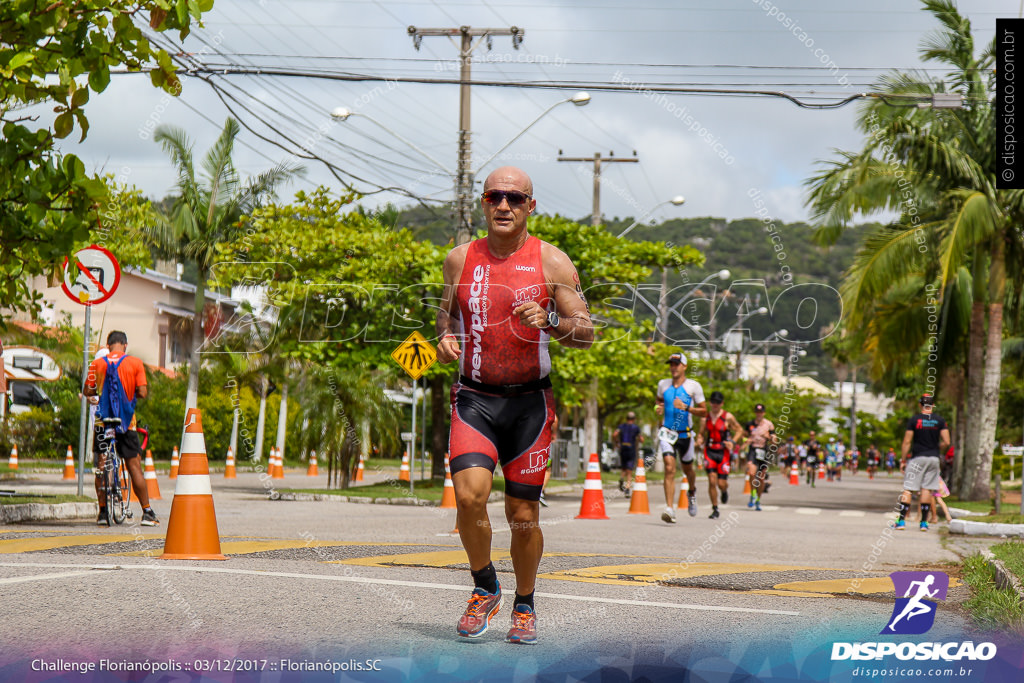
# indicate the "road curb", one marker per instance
pixel 963 526
pixel 1005 579
pixel 365 500
pixel 41 512
pixel 960 512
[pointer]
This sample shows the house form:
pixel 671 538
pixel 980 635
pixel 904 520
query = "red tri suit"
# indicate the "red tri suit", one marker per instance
pixel 503 405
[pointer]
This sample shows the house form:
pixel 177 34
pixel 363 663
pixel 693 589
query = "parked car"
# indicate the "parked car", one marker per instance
pixel 27 395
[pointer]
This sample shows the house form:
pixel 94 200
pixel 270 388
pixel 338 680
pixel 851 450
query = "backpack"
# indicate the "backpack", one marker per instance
pixel 114 400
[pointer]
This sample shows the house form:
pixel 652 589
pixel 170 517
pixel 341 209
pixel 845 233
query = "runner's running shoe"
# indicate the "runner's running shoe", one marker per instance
pixel 757 506
pixel 477 617
pixel 524 626
pixel 924 526
pixel 714 514
pixel 750 503
pixel 900 525
pixel 669 516
pixel 691 503
pixel 149 518
pixel 725 496
pixel 102 519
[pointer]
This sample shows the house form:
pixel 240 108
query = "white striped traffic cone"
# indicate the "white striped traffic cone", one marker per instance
pixel 592 505
pixel 192 527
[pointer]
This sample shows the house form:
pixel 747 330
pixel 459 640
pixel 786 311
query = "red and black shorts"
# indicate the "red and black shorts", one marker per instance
pixel 716 460
pixel 514 430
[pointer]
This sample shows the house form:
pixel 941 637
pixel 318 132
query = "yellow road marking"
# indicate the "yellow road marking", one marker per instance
pixel 652 573
pixel 247 547
pixel 791 594
pixel 27 545
pixel 444 558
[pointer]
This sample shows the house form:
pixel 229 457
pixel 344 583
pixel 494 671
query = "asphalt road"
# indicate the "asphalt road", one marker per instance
pixel 383 585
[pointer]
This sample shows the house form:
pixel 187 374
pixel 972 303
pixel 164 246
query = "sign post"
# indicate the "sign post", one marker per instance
pixel 414 355
pixel 91 276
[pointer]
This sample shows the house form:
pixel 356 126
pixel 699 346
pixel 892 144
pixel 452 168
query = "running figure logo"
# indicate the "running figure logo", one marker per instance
pixel 914 613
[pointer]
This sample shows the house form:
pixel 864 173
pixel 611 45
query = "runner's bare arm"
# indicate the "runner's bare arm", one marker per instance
pixel 448 348
pixel 944 441
pixel 908 437
pixel 575 328
pixel 700 409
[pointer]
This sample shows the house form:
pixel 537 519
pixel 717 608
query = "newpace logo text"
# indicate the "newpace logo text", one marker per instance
pixel 922 652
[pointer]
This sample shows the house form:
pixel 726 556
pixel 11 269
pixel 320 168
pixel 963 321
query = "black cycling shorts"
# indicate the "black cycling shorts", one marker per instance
pixel 513 430
pixel 127 446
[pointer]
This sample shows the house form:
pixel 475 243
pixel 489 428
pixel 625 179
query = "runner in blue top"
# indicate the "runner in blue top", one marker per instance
pixel 681 401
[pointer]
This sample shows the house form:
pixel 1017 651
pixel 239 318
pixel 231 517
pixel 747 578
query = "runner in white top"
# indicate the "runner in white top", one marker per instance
pixel 681 401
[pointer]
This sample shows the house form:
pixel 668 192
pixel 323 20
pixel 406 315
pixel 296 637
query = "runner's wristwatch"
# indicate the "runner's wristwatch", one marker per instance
pixel 553 320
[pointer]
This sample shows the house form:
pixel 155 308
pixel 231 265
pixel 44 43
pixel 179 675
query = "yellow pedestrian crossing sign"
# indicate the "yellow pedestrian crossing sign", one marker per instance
pixel 415 355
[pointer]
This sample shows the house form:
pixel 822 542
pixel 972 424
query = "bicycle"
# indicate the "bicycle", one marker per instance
pixel 117 482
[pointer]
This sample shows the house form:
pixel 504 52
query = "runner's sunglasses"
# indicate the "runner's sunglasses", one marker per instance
pixel 495 197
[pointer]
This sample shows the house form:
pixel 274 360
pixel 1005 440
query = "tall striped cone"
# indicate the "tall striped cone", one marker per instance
pixel 152 485
pixel 821 471
pixel 69 465
pixel 312 470
pixel 638 502
pixel 230 472
pixel 684 490
pixel 174 463
pixel 403 471
pixel 359 469
pixel 192 527
pixel 272 463
pixel 746 485
pixel 278 464
pixel 592 505
pixel 12 462
pixel 448 495
pixel 794 476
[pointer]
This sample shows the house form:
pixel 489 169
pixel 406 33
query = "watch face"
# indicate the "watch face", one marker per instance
pixel 552 319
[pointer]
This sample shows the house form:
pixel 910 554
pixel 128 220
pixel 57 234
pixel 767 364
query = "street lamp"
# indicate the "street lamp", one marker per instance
pixel 678 200
pixel 342 114
pixel 676 308
pixel 580 99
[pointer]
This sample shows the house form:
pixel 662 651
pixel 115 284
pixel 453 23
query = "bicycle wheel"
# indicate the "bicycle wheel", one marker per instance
pixel 110 488
pixel 115 503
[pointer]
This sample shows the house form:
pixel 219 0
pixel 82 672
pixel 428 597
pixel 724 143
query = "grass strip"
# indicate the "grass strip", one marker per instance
pixel 989 606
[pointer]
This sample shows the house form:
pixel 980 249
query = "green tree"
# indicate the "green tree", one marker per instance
pixel 936 168
pixel 207 211
pixel 57 53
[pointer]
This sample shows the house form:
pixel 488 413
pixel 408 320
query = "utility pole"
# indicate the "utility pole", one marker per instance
pixel 595 215
pixel 590 426
pixel 464 174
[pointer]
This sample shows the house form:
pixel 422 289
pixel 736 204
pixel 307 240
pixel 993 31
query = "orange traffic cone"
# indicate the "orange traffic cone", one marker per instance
pixel 229 466
pixel 448 495
pixel 192 527
pixel 12 462
pixel 746 485
pixel 592 505
pixel 152 485
pixel 278 464
pixel 69 465
pixel 312 471
pixel 359 469
pixel 684 491
pixel 794 476
pixel 821 471
pixel 638 502
pixel 403 471
pixel 174 463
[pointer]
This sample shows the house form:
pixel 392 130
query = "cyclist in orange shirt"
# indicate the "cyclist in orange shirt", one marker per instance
pixel 118 394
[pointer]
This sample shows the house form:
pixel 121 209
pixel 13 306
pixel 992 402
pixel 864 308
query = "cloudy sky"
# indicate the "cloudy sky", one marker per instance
pixel 713 149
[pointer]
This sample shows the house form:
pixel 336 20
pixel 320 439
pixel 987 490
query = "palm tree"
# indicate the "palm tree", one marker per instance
pixel 335 403
pixel 936 168
pixel 206 212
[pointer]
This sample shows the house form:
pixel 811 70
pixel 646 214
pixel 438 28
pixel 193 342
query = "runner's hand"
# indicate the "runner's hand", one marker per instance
pixel 448 349
pixel 532 314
